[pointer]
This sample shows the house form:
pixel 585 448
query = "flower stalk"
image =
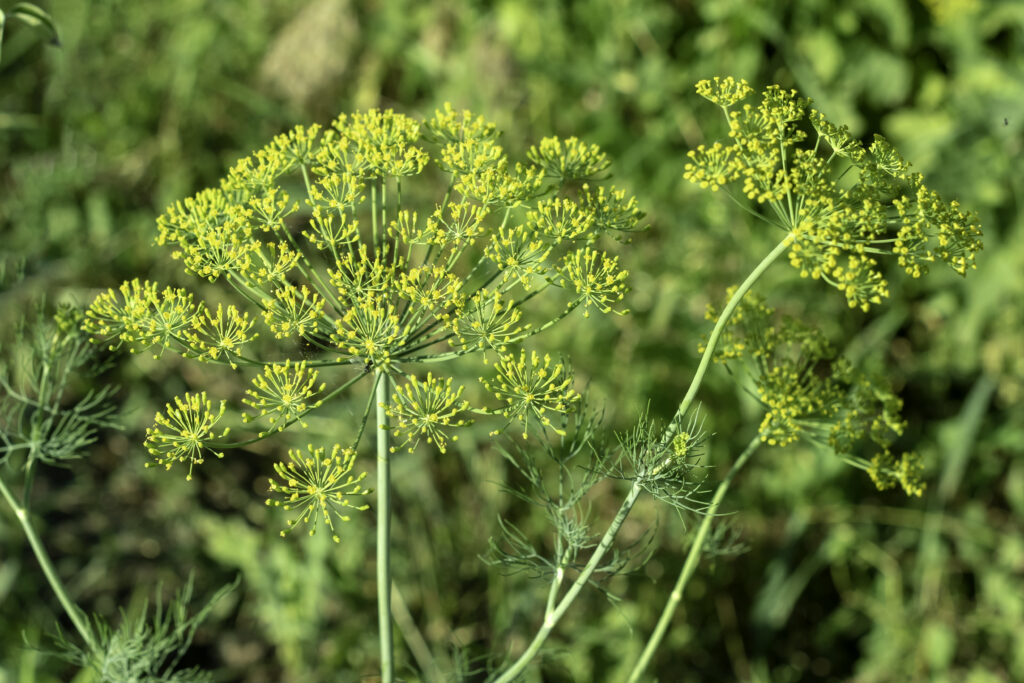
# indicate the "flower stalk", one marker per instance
pixel 690 565
pixel 387 653
pixel 552 616
pixel 70 608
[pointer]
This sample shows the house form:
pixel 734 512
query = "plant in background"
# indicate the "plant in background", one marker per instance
pixel 356 281
pixel 841 206
pixel 32 15
pixel 40 424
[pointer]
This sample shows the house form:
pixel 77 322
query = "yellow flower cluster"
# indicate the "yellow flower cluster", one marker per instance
pixel 223 333
pixel 282 393
pixel 596 277
pixel 182 432
pixel 489 322
pixel 808 393
pixel 325 239
pixel 842 222
pixel 320 485
pixel 293 311
pixel 532 387
pixel 724 92
pixel 422 410
pixel 568 159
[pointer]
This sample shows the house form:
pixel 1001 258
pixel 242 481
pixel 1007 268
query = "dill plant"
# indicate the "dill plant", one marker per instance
pixel 316 242
pixel 840 207
pixel 44 423
pixel 356 289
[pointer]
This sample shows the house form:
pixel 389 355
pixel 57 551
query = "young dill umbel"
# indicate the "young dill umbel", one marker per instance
pixel 845 205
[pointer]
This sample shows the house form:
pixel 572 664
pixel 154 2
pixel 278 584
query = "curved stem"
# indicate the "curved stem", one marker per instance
pixel 723 319
pixel 690 565
pixel 383 533
pixel 76 615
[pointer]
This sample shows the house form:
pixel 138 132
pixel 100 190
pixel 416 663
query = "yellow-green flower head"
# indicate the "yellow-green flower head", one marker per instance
pixel 471 157
pixel 488 322
pixel 283 394
pixel 407 228
pixel 382 143
pixel 568 159
pixel 183 431
pixel 561 219
pixel 887 471
pixel 611 208
pixel 140 317
pixel 807 393
pixel 293 311
pixel 256 173
pixel 841 223
pixel 724 92
pixel 298 146
pixel 434 293
pixel 498 186
pixel 336 192
pixel 222 334
pixel 450 126
pixel 713 167
pixel 373 330
pixel 360 275
pixel 457 225
pixel 118 316
pixel 596 278
pixel 319 486
pixel 520 254
pixel 268 211
pixel 532 387
pixel 424 410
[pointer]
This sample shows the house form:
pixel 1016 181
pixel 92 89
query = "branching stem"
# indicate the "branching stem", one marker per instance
pixel 690 565
pixel 552 618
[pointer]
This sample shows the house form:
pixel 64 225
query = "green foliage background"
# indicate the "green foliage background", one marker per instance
pixel 146 102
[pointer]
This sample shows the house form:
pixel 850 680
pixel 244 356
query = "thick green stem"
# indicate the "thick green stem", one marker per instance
pixel 76 615
pixel 690 565
pixel 384 533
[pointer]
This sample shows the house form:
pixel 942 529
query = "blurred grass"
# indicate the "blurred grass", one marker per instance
pixel 147 102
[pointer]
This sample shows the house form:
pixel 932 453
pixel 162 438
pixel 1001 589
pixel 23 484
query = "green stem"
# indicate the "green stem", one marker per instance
pixel 76 615
pixel 723 319
pixel 553 616
pixel 383 533
pixel 551 619
pixel 690 565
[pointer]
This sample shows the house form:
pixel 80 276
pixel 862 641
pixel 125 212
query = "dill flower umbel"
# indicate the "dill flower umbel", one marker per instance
pixel 422 410
pixel 282 393
pixel 325 240
pixel 318 485
pixel 532 387
pixel 808 393
pixel 846 205
pixel 183 431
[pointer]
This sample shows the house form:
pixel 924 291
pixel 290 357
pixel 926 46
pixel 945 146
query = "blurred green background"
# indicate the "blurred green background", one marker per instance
pixel 146 102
